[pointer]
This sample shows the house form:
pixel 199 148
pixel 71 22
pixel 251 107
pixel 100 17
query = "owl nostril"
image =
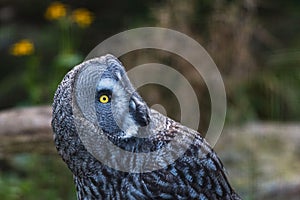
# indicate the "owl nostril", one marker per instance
pixel 139 110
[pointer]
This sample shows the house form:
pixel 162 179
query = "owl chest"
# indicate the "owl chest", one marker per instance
pixel 120 185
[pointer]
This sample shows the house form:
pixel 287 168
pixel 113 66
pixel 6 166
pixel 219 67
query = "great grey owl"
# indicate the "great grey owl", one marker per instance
pixel 98 118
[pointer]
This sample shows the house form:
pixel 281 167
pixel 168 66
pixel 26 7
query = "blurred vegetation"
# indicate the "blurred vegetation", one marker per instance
pixel 255 44
pixel 35 176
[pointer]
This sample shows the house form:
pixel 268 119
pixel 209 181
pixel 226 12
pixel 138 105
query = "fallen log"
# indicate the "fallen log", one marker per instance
pixel 26 130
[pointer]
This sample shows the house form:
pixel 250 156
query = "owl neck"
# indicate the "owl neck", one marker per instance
pixel 137 144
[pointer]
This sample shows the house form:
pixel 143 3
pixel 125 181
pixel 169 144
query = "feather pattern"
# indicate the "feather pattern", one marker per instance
pixel 197 174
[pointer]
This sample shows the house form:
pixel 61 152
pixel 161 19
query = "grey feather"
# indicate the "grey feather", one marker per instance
pixel 196 174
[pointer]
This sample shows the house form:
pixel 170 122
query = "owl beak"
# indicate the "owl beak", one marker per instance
pixel 139 110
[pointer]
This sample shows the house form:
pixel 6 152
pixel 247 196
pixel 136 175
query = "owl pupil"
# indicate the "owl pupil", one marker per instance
pixel 104 96
pixel 104 99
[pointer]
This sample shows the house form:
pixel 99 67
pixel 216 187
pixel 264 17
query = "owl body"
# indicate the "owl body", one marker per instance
pixel 188 169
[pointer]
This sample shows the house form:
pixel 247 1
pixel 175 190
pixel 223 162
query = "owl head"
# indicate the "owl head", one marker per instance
pixel 99 116
pixel 119 109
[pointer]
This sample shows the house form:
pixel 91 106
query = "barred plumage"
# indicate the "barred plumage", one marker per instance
pixel 197 174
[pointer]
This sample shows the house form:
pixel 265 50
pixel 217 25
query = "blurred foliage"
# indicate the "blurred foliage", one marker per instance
pixel 255 44
pixel 61 34
pixel 20 178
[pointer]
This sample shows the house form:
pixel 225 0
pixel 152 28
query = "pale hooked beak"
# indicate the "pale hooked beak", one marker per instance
pixel 139 110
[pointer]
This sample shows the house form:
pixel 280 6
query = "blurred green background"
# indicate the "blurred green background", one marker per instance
pixel 255 44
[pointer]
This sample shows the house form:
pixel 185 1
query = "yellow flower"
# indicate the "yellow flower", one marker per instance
pixel 22 48
pixel 82 17
pixel 55 11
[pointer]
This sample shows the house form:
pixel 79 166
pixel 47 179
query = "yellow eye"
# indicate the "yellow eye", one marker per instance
pixel 104 98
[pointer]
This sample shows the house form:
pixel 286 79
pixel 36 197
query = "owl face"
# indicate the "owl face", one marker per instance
pixel 119 109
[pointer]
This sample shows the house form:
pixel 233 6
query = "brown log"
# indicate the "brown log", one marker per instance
pixel 29 129
pixel 280 191
pixel 26 130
